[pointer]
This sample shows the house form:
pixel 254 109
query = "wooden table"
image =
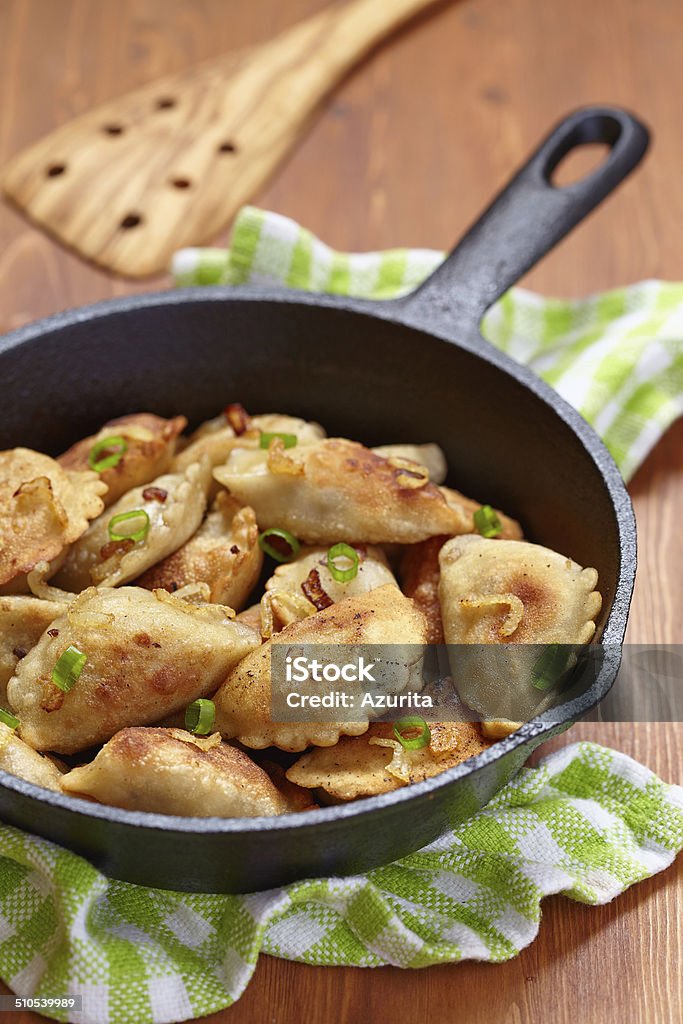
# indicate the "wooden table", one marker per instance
pixel 406 153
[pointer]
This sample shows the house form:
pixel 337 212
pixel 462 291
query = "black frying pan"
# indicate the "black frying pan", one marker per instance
pixel 414 369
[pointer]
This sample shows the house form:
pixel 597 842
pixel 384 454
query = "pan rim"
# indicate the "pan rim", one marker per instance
pixel 393 311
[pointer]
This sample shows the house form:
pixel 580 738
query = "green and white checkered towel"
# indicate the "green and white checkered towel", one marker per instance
pixel 588 822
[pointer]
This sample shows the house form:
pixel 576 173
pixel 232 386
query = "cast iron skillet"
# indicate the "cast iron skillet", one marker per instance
pixel 414 369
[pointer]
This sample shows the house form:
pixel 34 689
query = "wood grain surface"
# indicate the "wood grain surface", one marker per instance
pixel 168 165
pixel 409 150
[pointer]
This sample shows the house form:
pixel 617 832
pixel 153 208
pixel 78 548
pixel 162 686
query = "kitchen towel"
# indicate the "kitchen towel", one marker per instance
pixel 587 822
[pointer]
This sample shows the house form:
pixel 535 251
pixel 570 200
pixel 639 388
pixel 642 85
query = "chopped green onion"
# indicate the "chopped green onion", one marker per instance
pixel 125 517
pixel 115 446
pixel 487 522
pixel 410 725
pixel 200 717
pixel 338 573
pixel 549 666
pixel 274 549
pixel 288 440
pixel 7 718
pixel 69 667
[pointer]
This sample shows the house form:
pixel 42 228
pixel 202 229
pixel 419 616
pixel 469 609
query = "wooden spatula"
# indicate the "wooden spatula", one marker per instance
pixel 168 165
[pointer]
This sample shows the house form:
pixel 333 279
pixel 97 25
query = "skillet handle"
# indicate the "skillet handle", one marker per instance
pixel 526 220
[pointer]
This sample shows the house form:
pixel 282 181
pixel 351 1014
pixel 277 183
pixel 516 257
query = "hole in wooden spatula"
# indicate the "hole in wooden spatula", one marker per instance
pixel 54 170
pixel 131 220
pixel 227 147
pixel 165 103
pixel 113 129
pixel 579 163
pixel 181 182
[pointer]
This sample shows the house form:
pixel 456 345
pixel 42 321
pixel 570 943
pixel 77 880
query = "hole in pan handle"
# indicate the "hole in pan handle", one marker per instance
pixel 525 220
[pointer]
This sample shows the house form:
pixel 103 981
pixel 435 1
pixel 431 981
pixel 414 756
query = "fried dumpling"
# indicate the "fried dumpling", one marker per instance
pixel 419 568
pixel 236 429
pixel 513 593
pixel 465 508
pixel 224 553
pixel 384 616
pixel 147 655
pixel 17 758
pixel 430 456
pixel 43 509
pixel 305 585
pixel 420 576
pixel 170 771
pixel 23 620
pixel 251 617
pixel 352 768
pixel 337 490
pixel 298 798
pixel 150 443
pixel 376 762
pixel 306 431
pixel 497 591
pixel 450 744
pixel 174 506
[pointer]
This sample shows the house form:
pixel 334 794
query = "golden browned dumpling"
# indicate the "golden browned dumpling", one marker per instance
pixel 150 443
pixel 43 509
pixel 496 592
pixel 298 798
pixel 465 508
pixel 420 575
pixel 377 763
pixel 305 585
pixel 450 743
pixel 146 656
pixel 352 768
pixel 498 729
pixel 170 771
pixel 224 553
pixel 217 437
pixel 420 572
pixel 23 620
pixel 251 617
pixel 170 509
pixel 384 616
pixel 337 490
pixel 17 758
pixel 430 456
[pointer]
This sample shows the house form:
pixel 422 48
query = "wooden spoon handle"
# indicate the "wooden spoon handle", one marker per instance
pixel 346 32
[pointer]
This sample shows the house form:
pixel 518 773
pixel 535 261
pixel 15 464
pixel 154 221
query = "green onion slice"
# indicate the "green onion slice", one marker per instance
pixel 405 729
pixel 273 542
pixel 69 667
pixel 136 515
pixel 200 717
pixel 288 440
pixel 341 573
pixel 8 718
pixel 549 666
pixel 107 453
pixel 487 522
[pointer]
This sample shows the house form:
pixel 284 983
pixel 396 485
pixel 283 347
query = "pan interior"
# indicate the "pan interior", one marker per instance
pixel 362 377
